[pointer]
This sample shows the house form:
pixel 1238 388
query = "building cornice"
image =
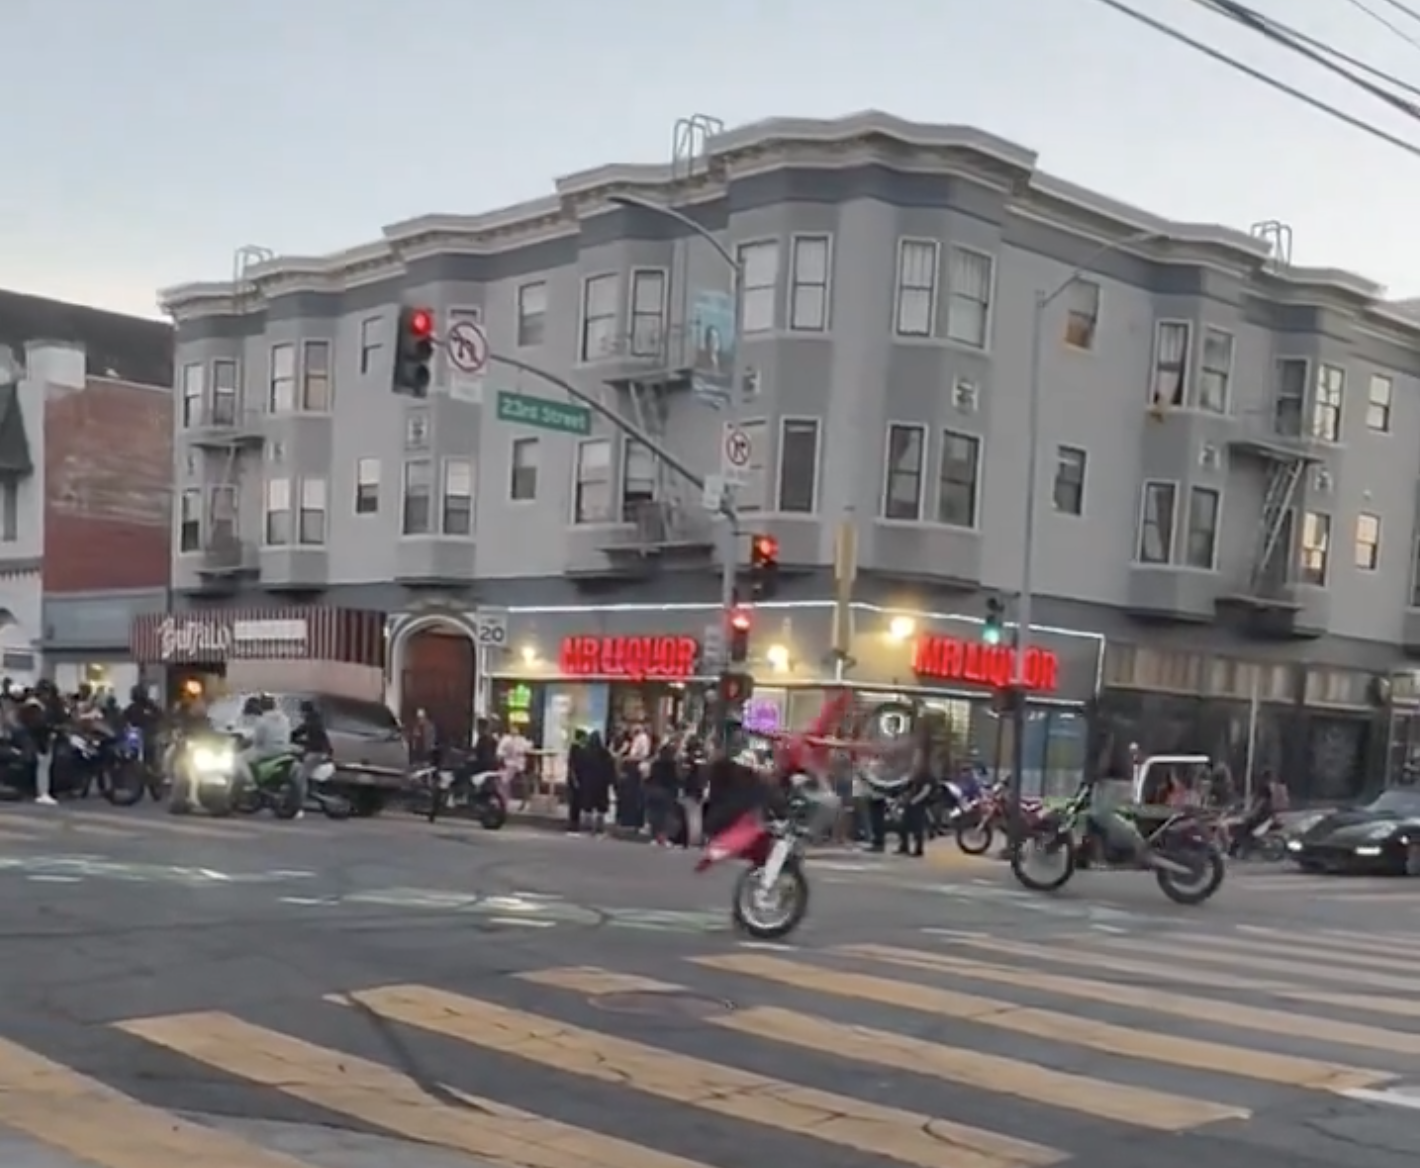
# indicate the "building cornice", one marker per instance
pixel 778 143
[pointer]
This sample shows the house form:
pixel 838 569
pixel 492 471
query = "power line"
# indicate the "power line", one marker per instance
pixel 1258 75
pixel 1322 54
pixel 1404 9
pixel 1386 22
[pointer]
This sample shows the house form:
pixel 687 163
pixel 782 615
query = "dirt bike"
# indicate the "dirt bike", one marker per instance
pixel 1178 848
pixel 772 895
pixel 976 822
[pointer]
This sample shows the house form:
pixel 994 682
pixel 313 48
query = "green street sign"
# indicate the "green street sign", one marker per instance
pixel 523 410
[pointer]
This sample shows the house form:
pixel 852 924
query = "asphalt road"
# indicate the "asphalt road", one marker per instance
pixel 248 994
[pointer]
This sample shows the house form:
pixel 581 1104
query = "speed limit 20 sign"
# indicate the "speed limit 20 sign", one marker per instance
pixel 490 628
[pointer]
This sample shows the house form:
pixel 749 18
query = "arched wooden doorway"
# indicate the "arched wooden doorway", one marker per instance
pixel 437 675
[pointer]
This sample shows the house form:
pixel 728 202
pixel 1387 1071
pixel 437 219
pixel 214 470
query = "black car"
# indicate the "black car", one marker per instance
pixel 1379 838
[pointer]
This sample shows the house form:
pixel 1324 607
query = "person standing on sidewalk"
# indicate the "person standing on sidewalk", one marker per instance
pixel 662 793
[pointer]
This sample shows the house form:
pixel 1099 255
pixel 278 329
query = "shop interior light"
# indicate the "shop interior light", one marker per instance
pixel 901 627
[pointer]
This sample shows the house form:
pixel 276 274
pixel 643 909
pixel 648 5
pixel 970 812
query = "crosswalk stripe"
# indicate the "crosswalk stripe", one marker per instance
pixel 1391 941
pixel 64 824
pixel 1051 1025
pixel 1282 1023
pixel 77 1115
pixel 373 1093
pixel 1316 970
pixel 205 830
pixel 904 1136
pixel 1386 944
pixel 1281 948
pixel 1213 979
pixel 1137 1106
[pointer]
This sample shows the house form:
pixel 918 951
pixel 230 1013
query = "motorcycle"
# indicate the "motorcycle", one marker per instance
pixel 1178 848
pixel 445 788
pixel 976 821
pixel 86 759
pixel 203 769
pixel 333 804
pixel 1266 841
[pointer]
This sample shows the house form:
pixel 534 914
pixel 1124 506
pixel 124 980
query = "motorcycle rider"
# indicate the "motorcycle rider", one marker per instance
pixel 313 739
pixel 42 715
pixel 270 731
pixel 145 716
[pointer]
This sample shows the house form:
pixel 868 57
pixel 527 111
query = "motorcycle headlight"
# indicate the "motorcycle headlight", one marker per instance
pixel 206 760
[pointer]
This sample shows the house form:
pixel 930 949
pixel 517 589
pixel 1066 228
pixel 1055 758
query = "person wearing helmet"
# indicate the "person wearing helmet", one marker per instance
pixel 269 735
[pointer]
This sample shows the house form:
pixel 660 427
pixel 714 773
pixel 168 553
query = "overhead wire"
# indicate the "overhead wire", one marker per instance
pixel 1385 21
pixel 1316 103
pixel 1405 9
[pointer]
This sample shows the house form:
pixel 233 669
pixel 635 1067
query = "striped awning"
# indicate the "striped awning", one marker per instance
pixel 214 636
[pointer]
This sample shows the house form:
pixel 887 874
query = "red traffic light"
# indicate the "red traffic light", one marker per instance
pixel 766 548
pixel 740 620
pixel 421 322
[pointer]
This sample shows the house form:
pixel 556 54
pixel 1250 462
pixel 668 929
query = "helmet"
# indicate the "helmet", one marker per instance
pixel 138 694
pixel 251 708
pixel 267 702
pixel 308 708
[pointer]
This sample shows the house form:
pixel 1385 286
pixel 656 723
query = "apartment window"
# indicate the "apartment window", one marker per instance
pixel 1082 313
pixel 969 303
pixel 599 295
pixel 315 376
pixel 906 455
pixel 808 294
pixel 224 393
pixel 591 502
pixel 1368 542
pixel 916 309
pixel 638 480
pixel 9 511
pixel 1316 547
pixel 1170 385
pixel 1069 489
pixel 281 392
pixel 1378 402
pixel 1156 523
pixel 367 486
pixel 458 497
pixel 753 493
pixel 532 314
pixel 759 267
pixel 1201 540
pixel 522 486
pixel 194 389
pixel 648 312
pixel 798 465
pixel 278 512
pixel 417 516
pixel 957 490
pixel 221 516
pixel 190 521
pixel 371 342
pixel 416 430
pixel 1215 373
pixel 1289 404
pixel 312 520
pixel 1326 410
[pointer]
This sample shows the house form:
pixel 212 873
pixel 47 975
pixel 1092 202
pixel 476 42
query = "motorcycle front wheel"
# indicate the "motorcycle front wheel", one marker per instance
pixel 769 915
pixel 1054 849
pixel 1209 869
pixel 494 813
pixel 976 838
pixel 125 784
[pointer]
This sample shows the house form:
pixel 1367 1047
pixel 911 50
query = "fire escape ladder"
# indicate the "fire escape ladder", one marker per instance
pixel 1283 478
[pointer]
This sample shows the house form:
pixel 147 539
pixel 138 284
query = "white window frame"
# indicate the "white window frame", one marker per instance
pixel 458 481
pixel 1297 400
pixel 1143 523
pixel 785 423
pixel 1328 402
pixel 978 335
pixel 759 296
pixel 902 290
pixel 222 521
pixel 276 500
pixel 755 495
pixel 1194 491
pixel 1223 378
pixel 367 475
pixel 517 444
pixel 924 433
pixel 194 394
pixel 810 300
pixel 229 388
pixel 1082 314
pixel 371 342
pixel 1318 528
pixel 532 321
pixel 1368 551
pixel 647 331
pixel 1161 394
pixel 1061 463
pixel 978 446
pixel 190 508
pixel 429 489
pixel 578 483
pixel 1380 407
pixel 592 343
pixel 315 501
pixel 640 460
pixel 319 376
pixel 283 379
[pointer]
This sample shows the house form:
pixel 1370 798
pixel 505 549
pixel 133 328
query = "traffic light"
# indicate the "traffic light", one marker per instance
pixel 739 636
pixel 414 351
pixel 763 566
pixel 994 627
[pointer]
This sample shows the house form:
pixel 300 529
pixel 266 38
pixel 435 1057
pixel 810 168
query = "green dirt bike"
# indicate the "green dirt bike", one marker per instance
pixel 1178 848
pixel 273 787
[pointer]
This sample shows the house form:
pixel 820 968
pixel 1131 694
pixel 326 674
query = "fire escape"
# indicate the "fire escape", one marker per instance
pixel 649 381
pixel 225 431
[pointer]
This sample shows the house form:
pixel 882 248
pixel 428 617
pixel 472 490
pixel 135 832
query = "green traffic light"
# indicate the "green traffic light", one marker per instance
pixel 991 634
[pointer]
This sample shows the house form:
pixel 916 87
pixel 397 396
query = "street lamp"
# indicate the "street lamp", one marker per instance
pixel 1043 301
pixel 729 541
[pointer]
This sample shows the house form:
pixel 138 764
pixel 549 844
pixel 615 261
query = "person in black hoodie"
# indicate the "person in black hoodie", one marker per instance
pixel 576 764
pixel 597 776
pixel 662 790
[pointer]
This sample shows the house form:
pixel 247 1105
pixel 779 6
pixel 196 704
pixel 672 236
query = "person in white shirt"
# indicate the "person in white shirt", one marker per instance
pixel 513 750
pixel 268 729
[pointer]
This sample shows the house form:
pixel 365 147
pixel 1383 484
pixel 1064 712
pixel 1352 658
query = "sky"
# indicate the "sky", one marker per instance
pixel 147 140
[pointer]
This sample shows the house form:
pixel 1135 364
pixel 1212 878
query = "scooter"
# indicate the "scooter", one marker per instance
pixel 332 803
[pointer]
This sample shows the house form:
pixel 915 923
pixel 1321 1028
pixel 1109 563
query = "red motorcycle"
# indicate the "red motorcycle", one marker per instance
pixel 977 821
pixel 772 895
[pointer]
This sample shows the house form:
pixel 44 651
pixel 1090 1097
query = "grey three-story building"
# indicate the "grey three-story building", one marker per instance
pixel 1229 455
